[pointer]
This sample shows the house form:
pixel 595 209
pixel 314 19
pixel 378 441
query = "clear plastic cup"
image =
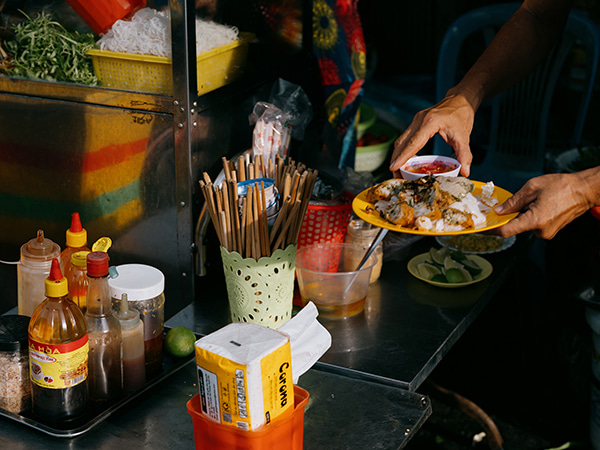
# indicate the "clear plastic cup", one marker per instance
pixel 325 279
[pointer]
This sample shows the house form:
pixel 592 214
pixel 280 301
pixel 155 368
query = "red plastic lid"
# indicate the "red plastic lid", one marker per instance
pixel 97 264
pixel 596 212
pixel 101 15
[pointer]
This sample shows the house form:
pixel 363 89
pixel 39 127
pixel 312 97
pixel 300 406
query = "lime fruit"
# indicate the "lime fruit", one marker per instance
pixel 454 275
pixel 471 266
pixel 439 255
pixel 449 263
pixel 439 278
pixel 180 341
pixel 427 271
pixel 458 255
pixel 466 274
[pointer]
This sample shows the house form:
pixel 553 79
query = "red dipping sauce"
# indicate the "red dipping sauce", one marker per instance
pixel 431 168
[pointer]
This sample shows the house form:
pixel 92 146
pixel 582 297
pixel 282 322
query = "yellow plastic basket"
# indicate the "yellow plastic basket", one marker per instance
pixel 147 73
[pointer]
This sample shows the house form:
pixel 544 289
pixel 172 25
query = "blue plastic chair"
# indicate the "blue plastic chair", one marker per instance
pixel 516 148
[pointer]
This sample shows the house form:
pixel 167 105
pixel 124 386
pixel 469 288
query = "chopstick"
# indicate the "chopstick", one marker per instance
pixel 241 223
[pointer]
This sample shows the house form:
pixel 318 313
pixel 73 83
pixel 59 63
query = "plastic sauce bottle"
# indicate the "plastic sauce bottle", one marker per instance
pixel 76 276
pixel 132 332
pixel 76 242
pixel 34 268
pixel 58 354
pixel 144 286
pixel 105 379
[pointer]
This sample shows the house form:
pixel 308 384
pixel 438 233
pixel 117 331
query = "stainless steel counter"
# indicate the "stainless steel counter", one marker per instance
pixel 353 414
pixel 406 329
pixel 362 390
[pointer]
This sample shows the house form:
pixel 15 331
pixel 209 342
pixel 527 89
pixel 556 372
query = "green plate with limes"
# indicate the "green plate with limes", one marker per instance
pixel 486 271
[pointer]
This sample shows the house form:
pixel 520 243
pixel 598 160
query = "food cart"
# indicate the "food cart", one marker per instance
pixel 129 162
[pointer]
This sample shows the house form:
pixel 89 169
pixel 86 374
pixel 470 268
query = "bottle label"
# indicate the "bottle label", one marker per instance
pixel 58 366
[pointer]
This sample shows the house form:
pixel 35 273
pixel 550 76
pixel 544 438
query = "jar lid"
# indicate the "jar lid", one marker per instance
pixel 138 281
pixel 14 332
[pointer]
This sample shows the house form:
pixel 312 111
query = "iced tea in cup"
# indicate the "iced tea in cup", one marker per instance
pixel 325 279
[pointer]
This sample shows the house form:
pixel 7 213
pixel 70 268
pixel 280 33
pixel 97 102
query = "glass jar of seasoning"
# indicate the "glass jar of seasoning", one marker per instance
pixel 15 386
pixel 144 286
pixel 363 233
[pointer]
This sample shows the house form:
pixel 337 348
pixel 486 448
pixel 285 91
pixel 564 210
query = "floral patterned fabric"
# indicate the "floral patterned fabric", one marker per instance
pixel 339 46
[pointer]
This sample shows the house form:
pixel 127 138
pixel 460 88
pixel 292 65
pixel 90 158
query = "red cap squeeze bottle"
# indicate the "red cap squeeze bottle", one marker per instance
pixel 56 285
pixel 76 234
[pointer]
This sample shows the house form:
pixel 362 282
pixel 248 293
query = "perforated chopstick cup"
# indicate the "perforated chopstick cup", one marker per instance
pixel 262 291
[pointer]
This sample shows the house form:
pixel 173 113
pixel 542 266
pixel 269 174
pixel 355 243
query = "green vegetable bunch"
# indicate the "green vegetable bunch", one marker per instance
pixel 44 49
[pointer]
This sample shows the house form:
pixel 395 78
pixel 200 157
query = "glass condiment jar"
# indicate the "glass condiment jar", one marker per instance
pixel 34 268
pixel 104 329
pixel 363 233
pixel 144 286
pixel 58 354
pixel 15 387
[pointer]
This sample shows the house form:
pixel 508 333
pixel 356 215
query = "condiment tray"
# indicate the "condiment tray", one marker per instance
pixel 170 365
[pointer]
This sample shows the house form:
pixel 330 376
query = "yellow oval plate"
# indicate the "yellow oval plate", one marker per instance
pixel 486 271
pixel 366 211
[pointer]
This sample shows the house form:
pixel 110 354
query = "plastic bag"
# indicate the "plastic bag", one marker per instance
pixel 286 115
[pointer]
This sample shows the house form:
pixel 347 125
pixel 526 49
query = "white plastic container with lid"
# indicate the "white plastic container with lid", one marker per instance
pixel 144 286
pixel 34 268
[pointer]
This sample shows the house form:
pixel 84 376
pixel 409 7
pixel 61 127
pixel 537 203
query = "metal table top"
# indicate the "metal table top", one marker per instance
pixel 407 326
pixel 380 415
pixel 362 390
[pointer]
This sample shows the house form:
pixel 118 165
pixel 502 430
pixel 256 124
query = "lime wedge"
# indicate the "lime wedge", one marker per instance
pixel 439 255
pixel 454 275
pixel 471 266
pixel 428 271
pixel 449 263
pixel 439 278
pixel 466 274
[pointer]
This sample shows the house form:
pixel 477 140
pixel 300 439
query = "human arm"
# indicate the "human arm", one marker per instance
pixel 518 48
pixel 549 202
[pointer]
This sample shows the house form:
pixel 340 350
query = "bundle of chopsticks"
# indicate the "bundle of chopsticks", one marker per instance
pixel 247 232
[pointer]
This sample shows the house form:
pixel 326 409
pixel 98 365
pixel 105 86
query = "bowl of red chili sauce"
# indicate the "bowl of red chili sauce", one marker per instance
pixel 423 166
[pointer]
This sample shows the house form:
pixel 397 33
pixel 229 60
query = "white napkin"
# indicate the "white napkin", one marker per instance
pixel 308 338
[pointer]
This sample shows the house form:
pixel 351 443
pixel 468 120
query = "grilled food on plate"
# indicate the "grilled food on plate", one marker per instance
pixel 439 204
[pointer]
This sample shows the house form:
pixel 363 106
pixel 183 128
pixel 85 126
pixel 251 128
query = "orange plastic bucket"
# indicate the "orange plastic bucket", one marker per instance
pixel 101 15
pixel 284 433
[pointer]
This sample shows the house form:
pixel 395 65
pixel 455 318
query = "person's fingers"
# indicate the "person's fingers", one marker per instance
pixel 408 146
pixel 517 202
pixel 464 156
pixel 521 223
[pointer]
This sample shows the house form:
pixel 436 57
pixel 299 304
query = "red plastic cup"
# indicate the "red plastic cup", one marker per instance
pixel 101 15
pixel 282 433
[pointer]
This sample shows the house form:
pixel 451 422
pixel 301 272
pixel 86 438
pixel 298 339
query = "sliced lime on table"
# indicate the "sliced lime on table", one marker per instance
pixel 449 263
pixel 454 275
pixel 471 266
pixel 438 256
pixel 439 278
pixel 428 271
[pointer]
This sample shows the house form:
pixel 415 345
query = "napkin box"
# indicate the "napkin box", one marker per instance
pixel 245 375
